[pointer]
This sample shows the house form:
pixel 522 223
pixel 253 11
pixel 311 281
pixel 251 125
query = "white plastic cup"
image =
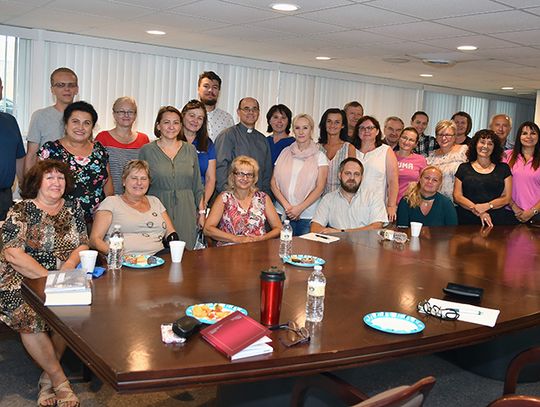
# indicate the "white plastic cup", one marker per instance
pixel 88 260
pixel 177 250
pixel 416 227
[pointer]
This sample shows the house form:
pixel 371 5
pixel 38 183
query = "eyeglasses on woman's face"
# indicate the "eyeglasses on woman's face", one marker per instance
pixel 242 174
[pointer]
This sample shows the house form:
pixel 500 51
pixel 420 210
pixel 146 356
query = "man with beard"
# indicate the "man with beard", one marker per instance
pixel 349 208
pixel 208 88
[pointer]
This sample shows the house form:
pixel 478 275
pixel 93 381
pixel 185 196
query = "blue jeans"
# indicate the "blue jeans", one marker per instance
pixel 300 226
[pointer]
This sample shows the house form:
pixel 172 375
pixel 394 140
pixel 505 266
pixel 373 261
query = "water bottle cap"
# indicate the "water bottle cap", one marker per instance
pixel 317 268
pixel 117 226
pixel 287 221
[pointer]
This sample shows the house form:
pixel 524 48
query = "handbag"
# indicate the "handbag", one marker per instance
pixel 200 242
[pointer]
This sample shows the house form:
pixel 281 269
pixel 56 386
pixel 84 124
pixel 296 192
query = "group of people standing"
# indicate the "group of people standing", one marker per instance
pixel 203 173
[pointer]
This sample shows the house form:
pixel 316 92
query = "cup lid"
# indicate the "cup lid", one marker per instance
pixel 273 274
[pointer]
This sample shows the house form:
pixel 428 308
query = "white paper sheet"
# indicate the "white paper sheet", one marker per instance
pixel 319 237
pixel 470 313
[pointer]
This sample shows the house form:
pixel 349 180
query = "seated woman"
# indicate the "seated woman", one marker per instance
pixel 143 218
pixel 87 160
pixel 239 215
pixel 43 232
pixel 524 162
pixel 483 186
pixel 423 203
pixel 300 177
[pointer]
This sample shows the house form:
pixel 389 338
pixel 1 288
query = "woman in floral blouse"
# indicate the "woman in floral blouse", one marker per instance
pixel 87 160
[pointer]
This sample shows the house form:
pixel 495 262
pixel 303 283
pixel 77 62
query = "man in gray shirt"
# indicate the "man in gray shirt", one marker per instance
pixel 243 139
pixel 47 124
pixel 350 207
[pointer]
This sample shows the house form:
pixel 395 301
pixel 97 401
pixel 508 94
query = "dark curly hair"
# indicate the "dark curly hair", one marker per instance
pixel 34 177
pixel 496 154
pixel 80 106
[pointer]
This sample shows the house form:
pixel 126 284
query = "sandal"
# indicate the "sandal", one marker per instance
pixel 65 395
pixel 45 391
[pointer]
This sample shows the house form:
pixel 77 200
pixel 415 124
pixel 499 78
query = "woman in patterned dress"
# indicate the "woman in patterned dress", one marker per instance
pixel 88 161
pixel 239 215
pixel 43 232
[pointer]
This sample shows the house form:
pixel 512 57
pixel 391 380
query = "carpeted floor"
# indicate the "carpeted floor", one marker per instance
pixel 454 387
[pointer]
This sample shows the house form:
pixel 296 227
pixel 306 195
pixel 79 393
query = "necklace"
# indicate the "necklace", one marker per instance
pixel 427 200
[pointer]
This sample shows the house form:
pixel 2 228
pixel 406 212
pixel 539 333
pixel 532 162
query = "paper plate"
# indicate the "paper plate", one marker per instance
pixel 394 322
pixel 213 317
pixel 159 262
pixel 304 260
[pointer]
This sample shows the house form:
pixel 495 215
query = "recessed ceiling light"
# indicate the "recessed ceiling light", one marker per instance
pixel 156 32
pixel 426 75
pixel 467 48
pixel 284 7
pixel 323 58
pixel 507 88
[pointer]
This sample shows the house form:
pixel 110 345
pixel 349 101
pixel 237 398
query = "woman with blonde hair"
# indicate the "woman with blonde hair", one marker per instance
pixel 448 156
pixel 423 203
pixel 239 215
pixel 300 176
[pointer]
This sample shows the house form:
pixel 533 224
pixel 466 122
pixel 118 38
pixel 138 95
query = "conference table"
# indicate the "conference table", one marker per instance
pixel 118 336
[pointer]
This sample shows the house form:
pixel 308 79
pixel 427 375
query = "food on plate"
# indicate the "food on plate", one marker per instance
pixel 305 259
pixel 140 260
pixel 207 311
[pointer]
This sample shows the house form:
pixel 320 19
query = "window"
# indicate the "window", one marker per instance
pixel 7 72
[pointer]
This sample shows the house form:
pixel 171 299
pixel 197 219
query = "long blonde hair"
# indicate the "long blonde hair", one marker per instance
pixel 412 194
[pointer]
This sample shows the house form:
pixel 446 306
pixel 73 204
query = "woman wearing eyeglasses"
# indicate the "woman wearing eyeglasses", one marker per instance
pixel 122 142
pixel 239 214
pixel 448 156
pixel 176 178
pixel 380 163
pixel 410 164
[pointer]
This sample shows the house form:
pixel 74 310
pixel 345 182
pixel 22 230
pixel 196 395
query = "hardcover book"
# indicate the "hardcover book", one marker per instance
pixel 68 287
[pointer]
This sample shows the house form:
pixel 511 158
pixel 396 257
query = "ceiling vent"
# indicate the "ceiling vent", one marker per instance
pixel 439 63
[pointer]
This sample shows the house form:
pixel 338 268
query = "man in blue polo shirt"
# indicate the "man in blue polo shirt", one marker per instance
pixel 11 158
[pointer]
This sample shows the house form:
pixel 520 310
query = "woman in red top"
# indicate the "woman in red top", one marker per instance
pixel 122 142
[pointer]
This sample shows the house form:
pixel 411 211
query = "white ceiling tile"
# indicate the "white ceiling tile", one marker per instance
pixel 226 12
pixel 352 38
pixel 297 25
pixel 154 5
pixel 509 54
pixel 246 33
pixel 99 8
pixel 529 37
pixel 418 31
pixel 495 22
pixel 358 16
pixel 56 20
pixel 11 9
pixel 185 23
pixel 520 3
pixel 481 41
pixel 434 9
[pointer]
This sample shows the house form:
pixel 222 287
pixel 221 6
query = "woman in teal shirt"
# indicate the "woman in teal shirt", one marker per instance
pixel 422 203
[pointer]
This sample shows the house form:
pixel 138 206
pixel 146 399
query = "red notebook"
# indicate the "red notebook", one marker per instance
pixel 238 336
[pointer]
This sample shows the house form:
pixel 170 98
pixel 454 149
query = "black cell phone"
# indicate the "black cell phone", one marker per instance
pixel 464 291
pixel 186 326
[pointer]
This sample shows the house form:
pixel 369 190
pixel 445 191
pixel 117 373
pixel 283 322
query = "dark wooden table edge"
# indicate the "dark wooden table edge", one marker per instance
pixel 125 382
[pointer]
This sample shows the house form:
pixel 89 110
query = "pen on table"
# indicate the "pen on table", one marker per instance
pixel 466 311
pixel 321 236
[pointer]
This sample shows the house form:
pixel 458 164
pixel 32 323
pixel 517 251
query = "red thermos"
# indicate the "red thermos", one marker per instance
pixel 272 281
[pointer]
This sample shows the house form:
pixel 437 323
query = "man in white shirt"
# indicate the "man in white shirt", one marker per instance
pixel 349 208
pixel 47 124
pixel 208 89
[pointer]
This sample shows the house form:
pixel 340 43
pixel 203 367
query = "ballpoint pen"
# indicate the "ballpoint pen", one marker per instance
pixel 322 236
pixel 466 311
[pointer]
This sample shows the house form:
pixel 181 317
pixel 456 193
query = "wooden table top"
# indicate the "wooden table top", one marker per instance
pixel 118 336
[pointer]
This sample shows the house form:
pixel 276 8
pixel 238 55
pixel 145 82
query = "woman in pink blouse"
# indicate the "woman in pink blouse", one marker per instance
pixel 410 164
pixel 524 162
pixel 239 215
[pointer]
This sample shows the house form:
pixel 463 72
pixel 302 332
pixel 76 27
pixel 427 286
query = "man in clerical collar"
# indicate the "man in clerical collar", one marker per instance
pixel 426 144
pixel 350 207
pixel 501 124
pixel 208 88
pixel 244 139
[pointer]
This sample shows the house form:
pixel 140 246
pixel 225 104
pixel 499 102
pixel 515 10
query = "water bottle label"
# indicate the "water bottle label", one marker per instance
pixel 316 290
pixel 285 235
pixel 116 243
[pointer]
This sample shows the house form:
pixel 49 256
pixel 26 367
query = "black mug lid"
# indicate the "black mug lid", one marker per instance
pixel 272 274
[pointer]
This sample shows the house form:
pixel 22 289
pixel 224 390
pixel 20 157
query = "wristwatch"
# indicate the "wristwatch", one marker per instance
pixel 490 205
pixel 535 211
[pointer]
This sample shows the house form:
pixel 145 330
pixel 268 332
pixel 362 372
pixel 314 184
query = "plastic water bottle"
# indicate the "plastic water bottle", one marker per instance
pixel 116 249
pixel 315 295
pixel 392 235
pixel 285 240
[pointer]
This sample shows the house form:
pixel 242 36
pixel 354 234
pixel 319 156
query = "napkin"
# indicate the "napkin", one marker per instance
pixel 98 271
pixel 470 313
pixel 319 237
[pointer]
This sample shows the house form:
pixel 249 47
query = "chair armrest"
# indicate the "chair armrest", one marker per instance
pixel 514 368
